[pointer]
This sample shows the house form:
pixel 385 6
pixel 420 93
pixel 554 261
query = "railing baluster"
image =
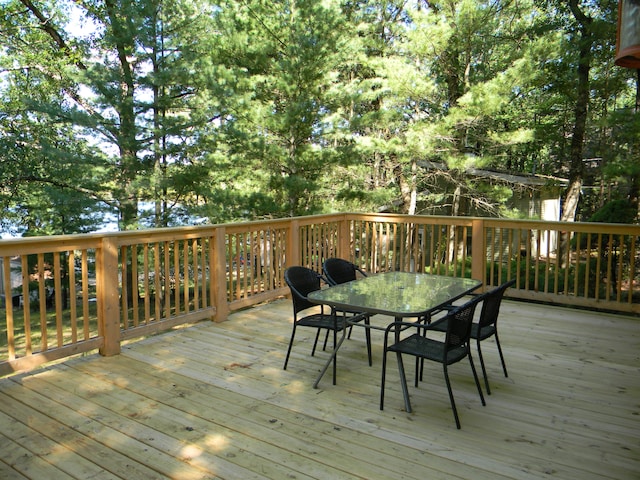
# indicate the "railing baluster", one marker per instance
pixel 26 305
pixel 8 304
pixel 632 269
pixel 57 296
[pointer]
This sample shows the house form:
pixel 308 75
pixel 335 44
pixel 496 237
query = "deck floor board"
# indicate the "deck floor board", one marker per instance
pixel 211 401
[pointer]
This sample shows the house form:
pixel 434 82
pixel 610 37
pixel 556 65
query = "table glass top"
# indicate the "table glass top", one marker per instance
pixel 400 294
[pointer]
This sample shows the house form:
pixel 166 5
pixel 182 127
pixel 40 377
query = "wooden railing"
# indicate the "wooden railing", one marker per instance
pixel 65 295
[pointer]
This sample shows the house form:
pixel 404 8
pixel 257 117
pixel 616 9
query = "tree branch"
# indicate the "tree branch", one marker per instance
pixel 47 26
pixel 59 184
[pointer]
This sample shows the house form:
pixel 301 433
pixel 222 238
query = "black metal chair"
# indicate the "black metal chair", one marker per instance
pixel 454 348
pixel 301 282
pixel 487 325
pixel 337 271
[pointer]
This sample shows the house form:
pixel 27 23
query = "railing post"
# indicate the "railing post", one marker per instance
pixel 344 238
pixel 292 255
pixel 108 297
pixel 219 276
pixel 478 250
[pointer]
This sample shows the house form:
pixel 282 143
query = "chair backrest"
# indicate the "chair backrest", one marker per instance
pixel 459 321
pixel 301 281
pixel 491 304
pixel 339 270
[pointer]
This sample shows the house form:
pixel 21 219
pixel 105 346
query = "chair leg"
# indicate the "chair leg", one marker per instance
pixel 367 333
pixel 384 374
pixel 484 370
pixel 475 377
pixel 335 357
pixel 293 334
pixel 326 338
pixel 453 402
pixel 504 366
pixel 315 343
pixel 427 320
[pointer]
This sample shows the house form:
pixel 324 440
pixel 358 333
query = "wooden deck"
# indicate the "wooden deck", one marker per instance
pixel 212 401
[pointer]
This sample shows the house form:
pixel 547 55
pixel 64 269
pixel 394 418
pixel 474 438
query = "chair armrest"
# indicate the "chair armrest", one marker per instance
pixel 360 271
pixel 417 325
pixel 402 326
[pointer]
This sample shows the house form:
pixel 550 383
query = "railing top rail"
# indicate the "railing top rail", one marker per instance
pixel 28 245
pixel 47 244
pixel 393 217
pixel 587 227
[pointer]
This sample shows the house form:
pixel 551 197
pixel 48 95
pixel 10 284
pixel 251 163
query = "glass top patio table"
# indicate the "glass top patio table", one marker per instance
pixel 398 294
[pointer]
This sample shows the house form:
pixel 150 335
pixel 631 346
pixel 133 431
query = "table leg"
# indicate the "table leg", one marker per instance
pixel 403 383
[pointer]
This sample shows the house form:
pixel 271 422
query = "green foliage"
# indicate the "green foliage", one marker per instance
pixel 555 278
pixel 205 111
pixel 616 211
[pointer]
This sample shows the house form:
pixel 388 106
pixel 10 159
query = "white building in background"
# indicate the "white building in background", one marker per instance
pixel 535 197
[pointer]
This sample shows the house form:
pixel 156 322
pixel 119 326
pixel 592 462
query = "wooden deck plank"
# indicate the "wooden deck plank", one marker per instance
pixel 60 452
pixel 8 471
pixel 247 374
pixel 122 455
pixel 273 396
pixel 543 435
pixel 292 431
pixel 204 429
pixel 155 451
pixel 22 463
pixel 212 401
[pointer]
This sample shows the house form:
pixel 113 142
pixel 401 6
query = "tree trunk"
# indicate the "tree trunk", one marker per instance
pixel 634 194
pixel 576 168
pixel 408 189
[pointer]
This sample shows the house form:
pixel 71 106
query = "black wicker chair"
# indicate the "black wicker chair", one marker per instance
pixel 454 348
pixel 487 325
pixel 337 271
pixel 301 282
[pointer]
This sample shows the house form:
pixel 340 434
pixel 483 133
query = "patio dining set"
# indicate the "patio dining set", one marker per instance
pixel 427 324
